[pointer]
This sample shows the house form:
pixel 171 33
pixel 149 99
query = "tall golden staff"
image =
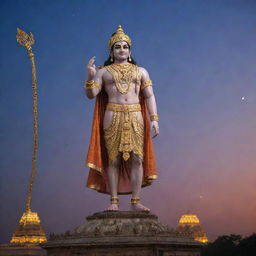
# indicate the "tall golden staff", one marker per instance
pixel 29 229
pixel 28 40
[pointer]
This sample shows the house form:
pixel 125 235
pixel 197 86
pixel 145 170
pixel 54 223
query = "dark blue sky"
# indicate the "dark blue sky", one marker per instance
pixel 201 56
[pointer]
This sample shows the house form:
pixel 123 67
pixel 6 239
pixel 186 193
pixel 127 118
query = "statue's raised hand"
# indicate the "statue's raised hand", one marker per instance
pixel 91 69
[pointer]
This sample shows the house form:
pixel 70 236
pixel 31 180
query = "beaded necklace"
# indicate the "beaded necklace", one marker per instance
pixel 123 75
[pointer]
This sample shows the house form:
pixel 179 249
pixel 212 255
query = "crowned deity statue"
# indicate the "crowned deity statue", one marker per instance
pixel 120 156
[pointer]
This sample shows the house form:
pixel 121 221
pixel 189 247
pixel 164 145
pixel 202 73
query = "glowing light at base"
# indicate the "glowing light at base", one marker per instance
pixel 190 224
pixel 29 230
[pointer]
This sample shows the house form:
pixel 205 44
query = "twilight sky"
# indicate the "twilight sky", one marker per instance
pixel 201 56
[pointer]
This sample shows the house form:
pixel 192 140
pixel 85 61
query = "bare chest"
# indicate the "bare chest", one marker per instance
pixel 108 79
pixel 122 81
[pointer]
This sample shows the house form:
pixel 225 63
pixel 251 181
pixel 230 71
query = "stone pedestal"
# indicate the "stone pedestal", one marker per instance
pixel 21 250
pixel 122 234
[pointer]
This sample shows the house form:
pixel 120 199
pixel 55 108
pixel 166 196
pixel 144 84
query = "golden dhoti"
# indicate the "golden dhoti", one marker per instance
pixel 126 132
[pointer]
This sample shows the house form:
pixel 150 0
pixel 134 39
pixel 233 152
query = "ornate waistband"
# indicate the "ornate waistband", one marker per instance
pixel 124 108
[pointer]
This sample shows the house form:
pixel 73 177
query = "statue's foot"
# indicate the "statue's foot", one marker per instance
pixel 139 208
pixel 113 207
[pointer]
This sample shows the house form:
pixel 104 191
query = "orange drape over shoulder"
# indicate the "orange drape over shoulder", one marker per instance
pixel 97 157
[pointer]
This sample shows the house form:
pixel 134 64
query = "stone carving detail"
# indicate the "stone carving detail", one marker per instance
pixel 126 223
pixel 109 223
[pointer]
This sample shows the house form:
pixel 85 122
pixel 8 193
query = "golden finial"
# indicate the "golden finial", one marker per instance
pixel 119 35
pixel 24 39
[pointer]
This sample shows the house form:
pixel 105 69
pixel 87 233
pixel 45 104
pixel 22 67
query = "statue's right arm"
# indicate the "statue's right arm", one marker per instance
pixel 91 93
pixel 93 84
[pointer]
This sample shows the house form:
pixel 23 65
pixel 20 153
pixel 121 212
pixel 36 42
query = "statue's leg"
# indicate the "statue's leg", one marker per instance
pixel 136 181
pixel 113 171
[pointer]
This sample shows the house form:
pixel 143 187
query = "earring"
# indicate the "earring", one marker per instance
pixel 111 59
pixel 129 58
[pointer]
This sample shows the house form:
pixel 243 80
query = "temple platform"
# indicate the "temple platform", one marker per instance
pixel 122 233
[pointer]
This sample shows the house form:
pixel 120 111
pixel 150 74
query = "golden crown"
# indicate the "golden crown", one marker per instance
pixel 119 36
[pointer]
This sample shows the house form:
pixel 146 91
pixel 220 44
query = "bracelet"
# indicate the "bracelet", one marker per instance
pixel 154 117
pixel 91 84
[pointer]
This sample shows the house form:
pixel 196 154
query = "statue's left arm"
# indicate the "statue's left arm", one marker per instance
pixel 147 90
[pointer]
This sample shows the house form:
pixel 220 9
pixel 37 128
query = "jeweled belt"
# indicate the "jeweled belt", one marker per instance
pixel 124 108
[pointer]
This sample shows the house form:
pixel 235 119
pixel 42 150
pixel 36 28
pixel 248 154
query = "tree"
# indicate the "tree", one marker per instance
pixel 222 246
pixel 247 246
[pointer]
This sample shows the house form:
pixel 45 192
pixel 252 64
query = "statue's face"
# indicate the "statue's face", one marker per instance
pixel 121 50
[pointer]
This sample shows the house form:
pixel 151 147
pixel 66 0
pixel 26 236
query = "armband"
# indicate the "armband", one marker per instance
pixel 146 83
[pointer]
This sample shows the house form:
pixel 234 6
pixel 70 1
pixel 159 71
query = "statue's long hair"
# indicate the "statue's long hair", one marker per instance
pixel 109 62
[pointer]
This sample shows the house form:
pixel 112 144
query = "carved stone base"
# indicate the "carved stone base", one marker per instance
pixel 122 234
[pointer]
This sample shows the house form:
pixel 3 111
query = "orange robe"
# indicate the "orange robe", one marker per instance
pixel 97 156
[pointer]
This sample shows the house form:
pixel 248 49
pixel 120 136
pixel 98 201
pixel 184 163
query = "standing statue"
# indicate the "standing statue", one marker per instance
pixel 120 155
